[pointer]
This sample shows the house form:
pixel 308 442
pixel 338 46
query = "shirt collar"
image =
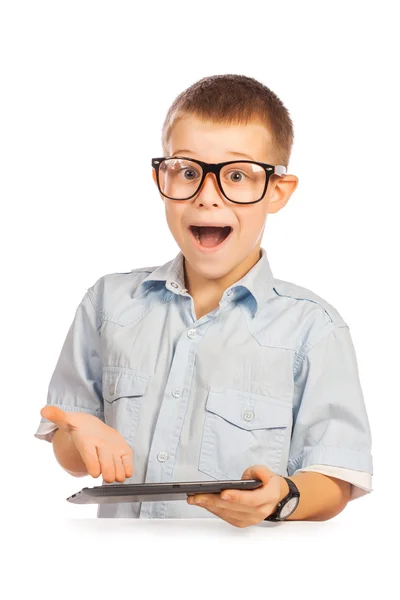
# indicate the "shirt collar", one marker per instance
pixel 258 281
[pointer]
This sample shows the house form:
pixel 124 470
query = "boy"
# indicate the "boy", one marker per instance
pixel 208 367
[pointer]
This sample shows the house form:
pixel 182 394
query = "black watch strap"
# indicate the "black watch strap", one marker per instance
pixel 293 493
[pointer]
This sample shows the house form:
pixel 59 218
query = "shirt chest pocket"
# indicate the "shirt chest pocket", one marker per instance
pixel 123 393
pixel 243 429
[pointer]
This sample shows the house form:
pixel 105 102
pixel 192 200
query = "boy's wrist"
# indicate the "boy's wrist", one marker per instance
pixel 284 489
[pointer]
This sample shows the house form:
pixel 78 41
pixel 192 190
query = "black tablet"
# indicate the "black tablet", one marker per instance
pixel 155 492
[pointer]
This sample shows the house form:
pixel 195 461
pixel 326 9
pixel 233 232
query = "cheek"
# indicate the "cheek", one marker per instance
pixel 252 224
pixel 174 217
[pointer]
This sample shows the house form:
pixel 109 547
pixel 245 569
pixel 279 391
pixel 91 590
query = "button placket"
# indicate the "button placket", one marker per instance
pixel 162 456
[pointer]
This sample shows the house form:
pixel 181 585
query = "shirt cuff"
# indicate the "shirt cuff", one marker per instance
pixel 46 431
pixel 361 482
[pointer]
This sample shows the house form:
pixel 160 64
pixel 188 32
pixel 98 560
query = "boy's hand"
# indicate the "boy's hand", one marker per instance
pixel 102 448
pixel 247 507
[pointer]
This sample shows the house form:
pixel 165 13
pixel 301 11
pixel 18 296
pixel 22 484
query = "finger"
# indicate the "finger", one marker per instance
pixel 56 415
pixel 238 520
pixel 127 462
pixel 255 498
pixel 242 512
pixel 208 500
pixel 106 463
pixel 261 472
pixel 234 518
pixel 90 458
pixel 119 468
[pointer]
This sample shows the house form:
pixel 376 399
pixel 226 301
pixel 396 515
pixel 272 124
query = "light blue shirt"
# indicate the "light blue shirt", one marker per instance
pixel 269 377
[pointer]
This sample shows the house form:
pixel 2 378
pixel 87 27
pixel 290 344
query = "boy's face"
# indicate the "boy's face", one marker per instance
pixel 213 143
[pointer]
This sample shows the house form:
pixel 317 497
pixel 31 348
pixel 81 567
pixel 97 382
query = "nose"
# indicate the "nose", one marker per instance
pixel 209 191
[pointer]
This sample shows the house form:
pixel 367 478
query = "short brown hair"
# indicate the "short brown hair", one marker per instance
pixel 235 99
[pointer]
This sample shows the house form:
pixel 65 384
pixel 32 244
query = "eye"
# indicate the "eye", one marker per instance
pixel 237 173
pixel 188 173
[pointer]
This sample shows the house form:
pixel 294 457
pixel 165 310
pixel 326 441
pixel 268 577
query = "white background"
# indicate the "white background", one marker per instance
pixel 85 87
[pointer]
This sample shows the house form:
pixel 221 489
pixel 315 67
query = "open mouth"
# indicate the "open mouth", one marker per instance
pixel 210 237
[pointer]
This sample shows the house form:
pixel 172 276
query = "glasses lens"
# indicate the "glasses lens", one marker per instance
pixel 242 182
pixel 179 178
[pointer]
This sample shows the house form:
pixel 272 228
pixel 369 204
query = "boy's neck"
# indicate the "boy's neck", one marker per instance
pixel 208 292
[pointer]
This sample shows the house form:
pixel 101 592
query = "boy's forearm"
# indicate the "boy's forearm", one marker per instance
pixel 67 455
pixel 321 497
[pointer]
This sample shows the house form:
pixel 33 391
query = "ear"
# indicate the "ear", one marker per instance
pixel 281 192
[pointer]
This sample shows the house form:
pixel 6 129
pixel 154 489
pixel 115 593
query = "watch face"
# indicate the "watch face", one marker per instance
pixel 289 507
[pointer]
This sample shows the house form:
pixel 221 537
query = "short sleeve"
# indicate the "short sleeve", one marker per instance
pixel 75 384
pixel 330 422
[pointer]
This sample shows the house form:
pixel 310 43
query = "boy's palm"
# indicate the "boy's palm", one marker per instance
pixel 102 448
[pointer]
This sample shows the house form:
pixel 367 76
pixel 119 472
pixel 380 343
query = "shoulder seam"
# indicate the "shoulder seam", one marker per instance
pixel 331 311
pixel 305 349
pixel 306 299
pixel 90 292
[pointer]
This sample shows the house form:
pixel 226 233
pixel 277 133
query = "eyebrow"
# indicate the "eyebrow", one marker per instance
pixel 229 152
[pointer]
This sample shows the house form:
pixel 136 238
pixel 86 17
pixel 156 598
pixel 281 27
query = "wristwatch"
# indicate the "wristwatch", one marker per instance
pixel 287 505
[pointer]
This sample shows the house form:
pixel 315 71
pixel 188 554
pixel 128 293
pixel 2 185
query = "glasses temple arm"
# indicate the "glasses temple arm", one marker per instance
pixel 280 170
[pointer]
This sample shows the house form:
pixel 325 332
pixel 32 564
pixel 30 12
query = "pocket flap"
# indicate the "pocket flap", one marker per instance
pixel 249 411
pixel 122 381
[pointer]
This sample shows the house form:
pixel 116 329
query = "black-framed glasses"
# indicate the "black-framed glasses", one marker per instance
pixel 242 182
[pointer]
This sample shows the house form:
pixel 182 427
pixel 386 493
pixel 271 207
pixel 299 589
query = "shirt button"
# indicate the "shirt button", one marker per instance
pixel 175 285
pixel 229 292
pixel 111 388
pixel 248 415
pixel 162 456
pixel 192 333
pixel 176 392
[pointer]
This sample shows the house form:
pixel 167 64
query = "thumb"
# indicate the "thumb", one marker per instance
pixel 258 472
pixel 56 415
